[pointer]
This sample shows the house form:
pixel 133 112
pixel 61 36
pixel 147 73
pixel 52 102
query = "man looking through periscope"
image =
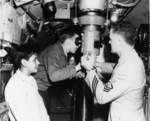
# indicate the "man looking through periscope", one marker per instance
pixel 54 65
pixel 125 89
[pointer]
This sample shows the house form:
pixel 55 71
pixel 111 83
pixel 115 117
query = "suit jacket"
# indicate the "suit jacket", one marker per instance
pixel 54 67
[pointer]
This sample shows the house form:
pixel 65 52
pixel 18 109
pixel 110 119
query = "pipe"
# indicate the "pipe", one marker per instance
pixel 91 18
pixel 84 102
pixel 125 5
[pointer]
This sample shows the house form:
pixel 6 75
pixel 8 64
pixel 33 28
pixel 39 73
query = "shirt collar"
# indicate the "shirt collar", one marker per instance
pixel 22 75
pixel 26 79
pixel 126 56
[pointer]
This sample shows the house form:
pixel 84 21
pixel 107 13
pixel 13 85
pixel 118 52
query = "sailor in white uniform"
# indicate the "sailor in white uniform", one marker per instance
pixel 126 86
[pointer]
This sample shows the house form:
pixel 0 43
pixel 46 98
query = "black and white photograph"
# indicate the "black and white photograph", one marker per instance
pixel 74 60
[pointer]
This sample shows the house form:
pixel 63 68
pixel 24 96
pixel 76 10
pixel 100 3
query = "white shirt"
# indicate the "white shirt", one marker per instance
pixel 24 100
pixel 125 89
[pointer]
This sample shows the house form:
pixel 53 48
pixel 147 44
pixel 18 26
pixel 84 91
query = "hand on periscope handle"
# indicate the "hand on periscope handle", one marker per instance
pixel 80 74
pixel 78 67
pixel 87 62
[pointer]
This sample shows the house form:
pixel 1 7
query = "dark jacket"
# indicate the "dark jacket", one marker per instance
pixel 53 67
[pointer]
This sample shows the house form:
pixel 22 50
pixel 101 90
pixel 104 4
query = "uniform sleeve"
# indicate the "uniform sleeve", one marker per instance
pixel 57 73
pixel 113 89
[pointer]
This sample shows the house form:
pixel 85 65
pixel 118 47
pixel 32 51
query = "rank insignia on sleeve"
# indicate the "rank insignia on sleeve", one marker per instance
pixel 108 86
pixel 94 84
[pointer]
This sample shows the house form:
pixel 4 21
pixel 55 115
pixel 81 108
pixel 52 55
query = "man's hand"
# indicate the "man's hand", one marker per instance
pixel 100 59
pixel 87 61
pixel 80 74
pixel 104 67
pixel 78 67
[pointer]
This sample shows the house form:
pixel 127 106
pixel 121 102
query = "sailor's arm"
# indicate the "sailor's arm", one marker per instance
pixel 106 92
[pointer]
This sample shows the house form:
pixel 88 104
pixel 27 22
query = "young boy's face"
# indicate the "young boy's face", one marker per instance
pixel 32 64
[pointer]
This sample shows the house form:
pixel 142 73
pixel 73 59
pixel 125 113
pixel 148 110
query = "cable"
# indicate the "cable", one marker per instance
pixel 125 5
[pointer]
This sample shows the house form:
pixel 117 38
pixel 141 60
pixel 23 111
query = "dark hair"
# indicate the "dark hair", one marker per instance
pixel 65 36
pixel 15 56
pixel 67 33
pixel 127 31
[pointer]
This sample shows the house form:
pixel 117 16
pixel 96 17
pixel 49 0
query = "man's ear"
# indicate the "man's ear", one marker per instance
pixel 23 62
